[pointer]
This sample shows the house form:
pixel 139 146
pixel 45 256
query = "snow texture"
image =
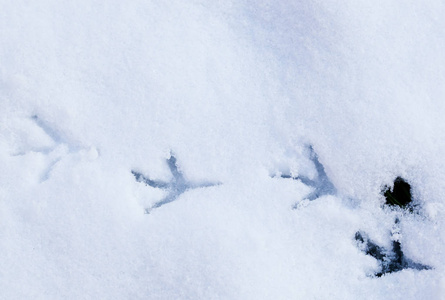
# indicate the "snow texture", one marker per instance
pixel 258 135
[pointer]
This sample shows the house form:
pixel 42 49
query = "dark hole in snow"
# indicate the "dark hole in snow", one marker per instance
pixel 400 195
pixel 390 261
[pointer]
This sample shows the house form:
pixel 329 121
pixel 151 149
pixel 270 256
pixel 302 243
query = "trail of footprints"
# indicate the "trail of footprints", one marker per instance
pixel 390 260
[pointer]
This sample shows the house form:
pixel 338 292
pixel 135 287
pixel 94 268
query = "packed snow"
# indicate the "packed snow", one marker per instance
pixel 221 149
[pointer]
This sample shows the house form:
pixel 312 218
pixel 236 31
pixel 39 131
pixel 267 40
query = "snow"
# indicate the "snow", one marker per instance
pixel 239 92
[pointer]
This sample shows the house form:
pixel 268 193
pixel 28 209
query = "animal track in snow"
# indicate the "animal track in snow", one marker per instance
pixel 49 142
pixel 177 186
pixel 322 185
pixel 390 261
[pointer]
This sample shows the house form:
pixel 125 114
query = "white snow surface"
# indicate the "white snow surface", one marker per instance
pixel 236 91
